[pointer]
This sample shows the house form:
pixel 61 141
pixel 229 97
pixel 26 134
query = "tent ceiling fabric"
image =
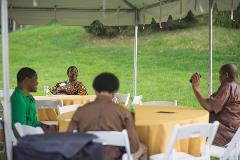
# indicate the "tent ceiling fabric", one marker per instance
pixel 109 12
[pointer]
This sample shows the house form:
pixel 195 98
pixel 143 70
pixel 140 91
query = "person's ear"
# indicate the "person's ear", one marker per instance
pixel 25 80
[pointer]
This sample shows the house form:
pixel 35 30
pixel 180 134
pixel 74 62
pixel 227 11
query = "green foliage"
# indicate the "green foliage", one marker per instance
pixel 186 22
pixel 98 29
pixel 223 19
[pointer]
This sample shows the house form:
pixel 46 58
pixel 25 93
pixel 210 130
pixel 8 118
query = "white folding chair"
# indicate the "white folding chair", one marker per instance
pixel 161 103
pixel 24 130
pixel 68 108
pixel 49 103
pixel 1 96
pixel 13 138
pixel 10 92
pixel 182 132
pixel 122 98
pixel 231 152
pixel 1 106
pixel 114 138
pixel 137 100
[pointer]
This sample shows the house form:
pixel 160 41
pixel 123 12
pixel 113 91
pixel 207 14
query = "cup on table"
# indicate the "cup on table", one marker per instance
pixel 46 90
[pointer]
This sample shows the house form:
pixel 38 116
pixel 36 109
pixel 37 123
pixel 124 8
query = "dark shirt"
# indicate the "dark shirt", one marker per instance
pixel 225 104
pixel 23 108
pixel 104 115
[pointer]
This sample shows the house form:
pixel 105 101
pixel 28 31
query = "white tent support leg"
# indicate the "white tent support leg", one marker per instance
pixel 210 48
pixel 14 26
pixel 5 59
pixel 135 61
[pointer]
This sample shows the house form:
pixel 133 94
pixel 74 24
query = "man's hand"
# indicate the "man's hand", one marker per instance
pixel 196 78
pixel 48 128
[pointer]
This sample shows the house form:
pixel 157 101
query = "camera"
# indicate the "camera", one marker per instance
pixel 195 73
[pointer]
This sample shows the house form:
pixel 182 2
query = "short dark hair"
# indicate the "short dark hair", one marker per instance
pixel 107 82
pixel 231 69
pixel 70 68
pixel 25 72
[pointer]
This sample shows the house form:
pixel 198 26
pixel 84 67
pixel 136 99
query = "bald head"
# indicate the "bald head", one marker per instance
pixel 231 71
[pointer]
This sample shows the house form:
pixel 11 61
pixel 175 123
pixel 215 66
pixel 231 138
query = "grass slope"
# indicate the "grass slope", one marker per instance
pixel 166 59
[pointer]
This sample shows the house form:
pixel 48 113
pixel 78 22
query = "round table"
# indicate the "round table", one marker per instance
pixel 68 99
pixel 64 120
pixel 155 125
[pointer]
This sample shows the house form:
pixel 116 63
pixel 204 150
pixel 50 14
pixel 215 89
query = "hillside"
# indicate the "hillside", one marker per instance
pixel 166 59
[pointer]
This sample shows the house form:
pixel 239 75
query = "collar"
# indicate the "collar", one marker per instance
pixel 104 98
pixel 23 93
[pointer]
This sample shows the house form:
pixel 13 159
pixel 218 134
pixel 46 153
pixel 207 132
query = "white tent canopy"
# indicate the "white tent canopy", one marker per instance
pixel 109 12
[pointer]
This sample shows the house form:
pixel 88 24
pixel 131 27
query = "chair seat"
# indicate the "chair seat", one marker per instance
pixel 50 123
pixel 125 156
pixel 179 156
pixel 217 151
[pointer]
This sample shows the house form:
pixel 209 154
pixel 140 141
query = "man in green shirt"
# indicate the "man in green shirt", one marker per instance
pixel 22 102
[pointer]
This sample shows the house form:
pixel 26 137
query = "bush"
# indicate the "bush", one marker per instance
pixel 111 31
pixel 98 29
pixel 219 18
pixel 223 19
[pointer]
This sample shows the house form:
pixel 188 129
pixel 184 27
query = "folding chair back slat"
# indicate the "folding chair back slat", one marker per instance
pixel 193 130
pixel 24 130
pixel 114 138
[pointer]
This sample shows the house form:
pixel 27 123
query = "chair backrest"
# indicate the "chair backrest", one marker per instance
pixel 233 147
pixel 10 92
pixel 68 108
pixel 13 138
pixel 1 106
pixel 161 103
pixel 49 103
pixel 137 100
pixel 122 98
pixel 193 130
pixel 114 138
pixel 24 130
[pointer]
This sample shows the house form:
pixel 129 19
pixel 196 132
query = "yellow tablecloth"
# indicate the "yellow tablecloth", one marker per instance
pixel 64 120
pixel 68 99
pixel 47 114
pixel 50 114
pixel 155 128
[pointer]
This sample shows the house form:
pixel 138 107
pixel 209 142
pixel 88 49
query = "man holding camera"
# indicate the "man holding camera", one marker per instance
pixel 223 105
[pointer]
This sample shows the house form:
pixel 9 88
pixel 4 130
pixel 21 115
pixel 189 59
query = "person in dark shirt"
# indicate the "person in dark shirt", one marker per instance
pixel 104 115
pixel 223 105
pixel 70 87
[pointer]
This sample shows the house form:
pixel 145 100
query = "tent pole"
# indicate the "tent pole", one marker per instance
pixel 135 55
pixel 5 59
pixel 135 60
pixel 210 47
pixel 14 26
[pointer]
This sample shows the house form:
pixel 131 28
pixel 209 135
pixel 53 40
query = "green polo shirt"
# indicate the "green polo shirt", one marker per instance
pixel 23 108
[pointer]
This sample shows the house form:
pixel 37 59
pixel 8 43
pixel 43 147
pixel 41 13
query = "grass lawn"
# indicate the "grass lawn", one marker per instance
pixel 166 59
